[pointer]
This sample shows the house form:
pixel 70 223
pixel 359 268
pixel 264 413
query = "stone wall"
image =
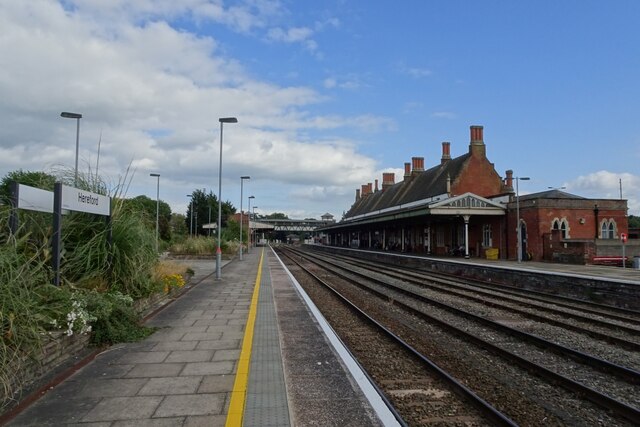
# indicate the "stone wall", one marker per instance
pixel 600 291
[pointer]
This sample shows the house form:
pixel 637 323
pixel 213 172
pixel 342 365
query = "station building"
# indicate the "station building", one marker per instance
pixel 464 207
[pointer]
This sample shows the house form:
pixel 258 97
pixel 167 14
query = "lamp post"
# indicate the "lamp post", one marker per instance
pixel 222 121
pixel 191 215
pixel 518 229
pixel 157 175
pixel 242 178
pixel 254 218
pixel 249 224
pixel 76 116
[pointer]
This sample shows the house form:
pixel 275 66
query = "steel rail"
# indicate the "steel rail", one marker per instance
pixel 461 390
pixel 629 412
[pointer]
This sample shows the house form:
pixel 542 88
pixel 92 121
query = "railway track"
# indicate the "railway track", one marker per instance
pixel 608 385
pixel 419 392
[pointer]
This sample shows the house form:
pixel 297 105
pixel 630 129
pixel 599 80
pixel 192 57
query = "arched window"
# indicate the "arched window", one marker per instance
pixel 562 225
pixel 608 229
pixel 564 228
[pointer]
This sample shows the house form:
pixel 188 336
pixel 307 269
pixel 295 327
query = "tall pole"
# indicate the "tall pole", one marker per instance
pixel 157 175
pixel 222 121
pixel 76 116
pixel 242 178
pixel 249 224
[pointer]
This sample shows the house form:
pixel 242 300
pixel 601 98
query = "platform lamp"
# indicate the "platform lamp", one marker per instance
pixel 242 178
pixel 157 175
pixel 519 228
pixel 222 121
pixel 76 116
pixel 249 224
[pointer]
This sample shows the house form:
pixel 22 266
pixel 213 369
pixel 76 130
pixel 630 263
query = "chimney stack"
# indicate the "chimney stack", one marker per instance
pixel 407 170
pixel 388 179
pixel 376 186
pixel 476 146
pixel 357 194
pixel 446 152
pixel 369 188
pixel 364 191
pixel 417 164
pixel 509 180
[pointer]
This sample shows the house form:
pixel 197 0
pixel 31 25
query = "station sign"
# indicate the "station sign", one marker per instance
pixel 78 200
pixel 35 199
pixel 623 237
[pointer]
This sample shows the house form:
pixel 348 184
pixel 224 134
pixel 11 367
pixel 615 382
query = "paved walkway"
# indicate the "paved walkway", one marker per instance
pixel 182 375
pixel 244 350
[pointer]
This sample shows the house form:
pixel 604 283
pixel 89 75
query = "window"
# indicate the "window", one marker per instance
pixel 608 229
pixel 487 238
pixel 440 237
pixel 562 225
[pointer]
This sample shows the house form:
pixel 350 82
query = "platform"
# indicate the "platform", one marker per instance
pixel 243 350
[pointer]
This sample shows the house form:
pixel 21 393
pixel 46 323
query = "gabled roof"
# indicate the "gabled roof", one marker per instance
pixel 431 183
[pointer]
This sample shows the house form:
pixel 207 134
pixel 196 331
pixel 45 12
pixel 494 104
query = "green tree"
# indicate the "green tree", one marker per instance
pixel 634 221
pixel 148 207
pixel 205 210
pixel 277 215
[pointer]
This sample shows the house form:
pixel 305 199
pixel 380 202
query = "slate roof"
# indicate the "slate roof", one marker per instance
pixel 550 194
pixel 430 183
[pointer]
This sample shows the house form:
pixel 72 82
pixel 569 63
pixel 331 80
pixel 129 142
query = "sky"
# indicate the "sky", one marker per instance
pixel 328 94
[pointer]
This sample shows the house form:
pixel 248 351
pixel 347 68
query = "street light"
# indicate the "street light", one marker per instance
pixel 254 218
pixel 76 116
pixel 249 224
pixel 191 220
pixel 518 229
pixel 157 175
pixel 222 121
pixel 242 178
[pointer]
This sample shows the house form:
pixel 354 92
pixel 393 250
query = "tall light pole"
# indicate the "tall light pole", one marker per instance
pixel 222 121
pixel 242 178
pixel 249 224
pixel 157 175
pixel 190 196
pixel 254 218
pixel 76 116
pixel 519 229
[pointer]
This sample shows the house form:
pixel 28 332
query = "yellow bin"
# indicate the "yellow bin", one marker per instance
pixel 491 253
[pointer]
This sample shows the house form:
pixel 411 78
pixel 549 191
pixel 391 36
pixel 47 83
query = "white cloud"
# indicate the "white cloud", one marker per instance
pixel 606 185
pixel 154 92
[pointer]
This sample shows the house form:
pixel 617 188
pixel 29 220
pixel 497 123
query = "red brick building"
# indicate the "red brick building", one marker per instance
pixel 462 206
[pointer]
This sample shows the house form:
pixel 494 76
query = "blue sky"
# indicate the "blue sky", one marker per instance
pixel 328 94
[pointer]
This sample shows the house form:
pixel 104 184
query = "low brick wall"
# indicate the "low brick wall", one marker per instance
pixel 58 349
pixel 593 290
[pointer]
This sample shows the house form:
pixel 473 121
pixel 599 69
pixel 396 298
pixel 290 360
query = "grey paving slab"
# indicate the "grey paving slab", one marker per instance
pixel 123 408
pixel 209 368
pixel 191 404
pixel 170 385
pixel 190 356
pixel 217 384
pixel 158 422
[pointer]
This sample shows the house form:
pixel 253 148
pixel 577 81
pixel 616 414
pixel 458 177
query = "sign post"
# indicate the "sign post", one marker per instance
pixel 74 199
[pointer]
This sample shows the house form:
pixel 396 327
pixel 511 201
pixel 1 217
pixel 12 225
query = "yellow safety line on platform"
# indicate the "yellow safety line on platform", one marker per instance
pixel 239 393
